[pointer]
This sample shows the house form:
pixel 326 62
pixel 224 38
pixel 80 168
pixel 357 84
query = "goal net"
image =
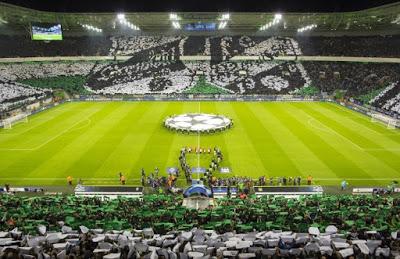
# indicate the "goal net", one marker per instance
pixel 9 122
pixel 391 123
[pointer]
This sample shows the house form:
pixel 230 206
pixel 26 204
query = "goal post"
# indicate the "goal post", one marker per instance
pixel 6 124
pixel 9 122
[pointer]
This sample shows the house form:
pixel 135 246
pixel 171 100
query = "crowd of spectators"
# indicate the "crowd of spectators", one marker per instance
pixel 218 46
pixel 353 77
pixel 21 71
pixel 145 73
pixel 250 77
pixel 350 46
pixel 156 225
pixel 141 77
pixel 12 94
pixel 389 98
pixel 24 46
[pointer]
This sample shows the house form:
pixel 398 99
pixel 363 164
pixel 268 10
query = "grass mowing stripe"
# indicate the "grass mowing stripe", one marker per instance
pixel 303 155
pixel 387 157
pixel 216 139
pixel 115 137
pixel 366 127
pixel 269 150
pixel 369 164
pixel 120 158
pixel 100 150
pixel 107 142
pixel 180 140
pixel 36 133
pixel 378 141
pixel 69 149
pixel 34 121
pixel 247 146
pixel 29 161
pixel 158 143
pixel 366 122
pixel 321 145
pixel 70 153
pixel 244 158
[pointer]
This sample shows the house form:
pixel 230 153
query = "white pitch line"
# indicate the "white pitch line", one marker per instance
pixel 383 149
pixel 46 142
pixel 114 179
pixel 330 130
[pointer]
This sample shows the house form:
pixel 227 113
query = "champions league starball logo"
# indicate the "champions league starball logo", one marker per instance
pixel 198 122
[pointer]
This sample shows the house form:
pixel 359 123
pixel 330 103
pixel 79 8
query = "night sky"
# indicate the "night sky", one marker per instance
pixel 199 5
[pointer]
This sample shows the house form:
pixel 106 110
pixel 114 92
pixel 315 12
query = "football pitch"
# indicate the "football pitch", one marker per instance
pixel 97 140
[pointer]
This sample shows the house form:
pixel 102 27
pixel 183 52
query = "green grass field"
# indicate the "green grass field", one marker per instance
pixel 96 140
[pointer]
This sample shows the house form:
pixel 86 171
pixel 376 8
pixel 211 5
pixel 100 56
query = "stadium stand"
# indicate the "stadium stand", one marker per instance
pixel 175 76
pixel 13 94
pixel 234 77
pixel 356 78
pixel 367 46
pixel 20 71
pixel 389 98
pixel 22 46
pixel 348 213
pixel 229 46
pixel 266 227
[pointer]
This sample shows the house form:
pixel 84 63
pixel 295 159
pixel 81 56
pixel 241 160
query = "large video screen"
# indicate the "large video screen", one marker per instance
pixel 42 31
pixel 201 26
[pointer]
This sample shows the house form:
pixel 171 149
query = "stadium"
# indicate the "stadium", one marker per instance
pixel 227 132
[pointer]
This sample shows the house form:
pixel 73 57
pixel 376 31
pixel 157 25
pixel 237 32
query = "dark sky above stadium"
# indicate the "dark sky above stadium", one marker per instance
pixel 199 5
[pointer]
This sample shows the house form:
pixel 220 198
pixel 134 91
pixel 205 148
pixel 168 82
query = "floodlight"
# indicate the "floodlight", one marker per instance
pixel 176 25
pixel 222 25
pixel 2 21
pixel 173 16
pixel 121 16
pixel 225 16
pixel 278 16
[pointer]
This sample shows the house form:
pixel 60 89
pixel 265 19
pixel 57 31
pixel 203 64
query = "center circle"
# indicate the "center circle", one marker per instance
pixel 198 122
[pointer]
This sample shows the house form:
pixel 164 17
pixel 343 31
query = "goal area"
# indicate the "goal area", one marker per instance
pixel 9 122
pixel 391 123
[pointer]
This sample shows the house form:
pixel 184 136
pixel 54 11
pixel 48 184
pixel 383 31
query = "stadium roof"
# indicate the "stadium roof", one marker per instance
pixel 199 6
pixel 377 20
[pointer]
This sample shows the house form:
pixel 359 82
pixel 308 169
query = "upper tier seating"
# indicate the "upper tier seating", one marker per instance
pixel 371 46
pixel 24 46
pixel 389 98
pixel 227 46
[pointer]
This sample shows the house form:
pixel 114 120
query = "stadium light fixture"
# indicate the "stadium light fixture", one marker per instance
pixel 307 28
pixel 223 21
pixel 225 17
pixel 174 17
pixel 222 25
pixel 2 21
pixel 175 20
pixel 176 25
pixel 122 20
pixel 121 16
pixel 275 21
pixel 91 27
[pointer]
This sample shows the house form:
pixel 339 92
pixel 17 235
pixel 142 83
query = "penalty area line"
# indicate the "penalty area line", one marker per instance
pixel 52 138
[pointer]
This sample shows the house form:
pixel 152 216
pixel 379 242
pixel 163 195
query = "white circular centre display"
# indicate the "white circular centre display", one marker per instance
pixel 198 122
